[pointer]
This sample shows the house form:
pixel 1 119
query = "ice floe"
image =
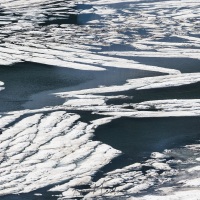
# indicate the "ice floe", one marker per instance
pixel 141 84
pixel 189 194
pixel 93 100
pixel 48 149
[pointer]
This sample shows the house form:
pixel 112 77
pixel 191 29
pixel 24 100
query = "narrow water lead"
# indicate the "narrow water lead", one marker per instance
pixel 191 91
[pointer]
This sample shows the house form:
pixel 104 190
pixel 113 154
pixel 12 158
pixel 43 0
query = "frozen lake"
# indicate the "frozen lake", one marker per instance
pixel 99 100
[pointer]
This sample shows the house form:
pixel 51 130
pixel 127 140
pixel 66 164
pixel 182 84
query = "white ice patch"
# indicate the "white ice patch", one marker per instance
pixel 161 166
pixel 84 102
pixel 183 195
pixel 191 183
pixel 48 149
pixel 1 85
pixel 170 105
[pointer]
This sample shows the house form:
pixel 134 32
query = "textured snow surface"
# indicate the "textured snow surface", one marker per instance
pixel 45 149
pixel 161 173
pixel 52 146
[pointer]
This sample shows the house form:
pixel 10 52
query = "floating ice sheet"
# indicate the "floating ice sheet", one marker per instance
pixel 45 149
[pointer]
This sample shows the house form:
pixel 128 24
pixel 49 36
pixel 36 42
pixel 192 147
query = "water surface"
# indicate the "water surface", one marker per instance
pixel 30 85
pixel 138 138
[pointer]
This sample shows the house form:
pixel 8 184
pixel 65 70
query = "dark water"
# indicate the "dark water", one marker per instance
pixel 138 138
pixel 191 91
pixel 25 79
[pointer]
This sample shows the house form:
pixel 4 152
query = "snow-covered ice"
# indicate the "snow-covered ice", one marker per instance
pixel 52 146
